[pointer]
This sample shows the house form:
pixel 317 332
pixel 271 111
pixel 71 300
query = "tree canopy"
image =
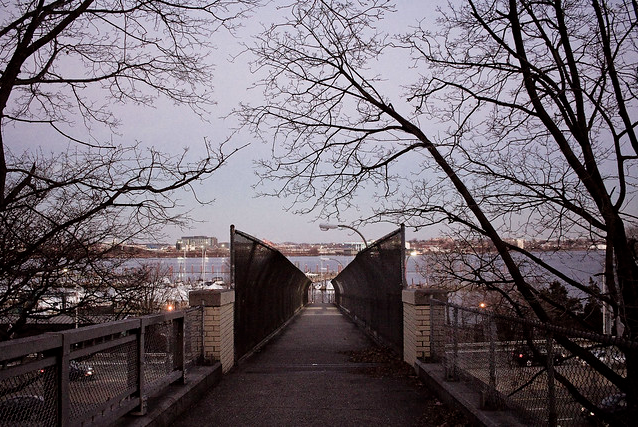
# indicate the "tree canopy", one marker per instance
pixel 519 121
pixel 63 65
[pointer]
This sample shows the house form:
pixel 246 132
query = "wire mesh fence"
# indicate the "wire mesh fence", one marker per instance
pixel 24 397
pixel 527 366
pixel 99 377
pixel 90 375
pixel 193 336
pixel 370 287
pixel 269 290
pixel 160 350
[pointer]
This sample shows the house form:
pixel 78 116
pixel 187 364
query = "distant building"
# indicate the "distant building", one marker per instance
pixel 190 243
pixel 357 246
pixel 520 243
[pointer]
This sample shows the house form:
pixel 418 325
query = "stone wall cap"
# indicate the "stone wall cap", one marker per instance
pixel 211 297
pixel 423 296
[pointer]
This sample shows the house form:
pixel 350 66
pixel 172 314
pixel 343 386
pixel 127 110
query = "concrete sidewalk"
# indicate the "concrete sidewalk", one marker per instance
pixel 304 377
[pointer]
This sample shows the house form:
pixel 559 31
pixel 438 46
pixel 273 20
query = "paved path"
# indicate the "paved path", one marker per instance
pixel 304 377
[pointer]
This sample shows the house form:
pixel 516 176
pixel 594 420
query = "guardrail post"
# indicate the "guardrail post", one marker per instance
pixel 452 373
pixel 63 382
pixel 551 387
pixel 179 351
pixel 137 373
pixel 489 400
pixel 423 325
pixel 218 328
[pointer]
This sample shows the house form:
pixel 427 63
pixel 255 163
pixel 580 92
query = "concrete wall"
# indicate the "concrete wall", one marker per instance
pixel 423 333
pixel 219 332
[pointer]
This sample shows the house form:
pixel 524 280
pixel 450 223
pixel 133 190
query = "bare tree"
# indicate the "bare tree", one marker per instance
pixel 145 290
pixel 518 121
pixel 64 63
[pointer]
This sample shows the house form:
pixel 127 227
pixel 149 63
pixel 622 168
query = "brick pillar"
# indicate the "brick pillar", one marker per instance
pixel 218 324
pixel 423 324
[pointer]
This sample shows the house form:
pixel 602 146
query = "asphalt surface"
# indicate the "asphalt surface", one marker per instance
pixel 307 376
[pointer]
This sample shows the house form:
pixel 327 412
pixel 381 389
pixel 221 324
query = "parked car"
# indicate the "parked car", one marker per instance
pixel 614 405
pixel 608 356
pixel 22 408
pixel 78 371
pixel 525 356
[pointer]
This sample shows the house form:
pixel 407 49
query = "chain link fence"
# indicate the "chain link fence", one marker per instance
pixel 269 290
pixel 369 289
pixel 525 365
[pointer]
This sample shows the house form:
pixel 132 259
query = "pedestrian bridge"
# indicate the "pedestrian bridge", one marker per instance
pixel 320 370
pixel 314 334
pixel 267 351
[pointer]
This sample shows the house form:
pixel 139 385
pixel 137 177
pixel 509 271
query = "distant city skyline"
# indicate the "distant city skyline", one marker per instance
pixel 302 233
pixel 433 244
pixel 308 233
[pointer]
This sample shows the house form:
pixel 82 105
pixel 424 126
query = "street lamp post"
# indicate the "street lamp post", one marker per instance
pixel 407 260
pixel 204 257
pixel 326 227
pixel 332 259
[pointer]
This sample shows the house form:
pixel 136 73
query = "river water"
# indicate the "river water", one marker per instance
pixel 212 268
pixel 580 265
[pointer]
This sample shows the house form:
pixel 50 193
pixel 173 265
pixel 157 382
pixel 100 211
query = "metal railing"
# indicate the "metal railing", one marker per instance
pixel 522 365
pixel 96 374
pixel 321 296
pixel 369 289
pixel 269 290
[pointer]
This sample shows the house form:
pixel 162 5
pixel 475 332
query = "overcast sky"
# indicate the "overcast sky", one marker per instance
pixel 170 128
pixel 235 203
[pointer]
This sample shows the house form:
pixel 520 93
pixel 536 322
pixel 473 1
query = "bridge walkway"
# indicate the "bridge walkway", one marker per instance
pixel 320 371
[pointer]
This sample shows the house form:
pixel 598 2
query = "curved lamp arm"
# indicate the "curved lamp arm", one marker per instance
pixel 326 227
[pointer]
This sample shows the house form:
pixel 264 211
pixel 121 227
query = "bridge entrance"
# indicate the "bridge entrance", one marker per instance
pixel 270 289
pixel 320 370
